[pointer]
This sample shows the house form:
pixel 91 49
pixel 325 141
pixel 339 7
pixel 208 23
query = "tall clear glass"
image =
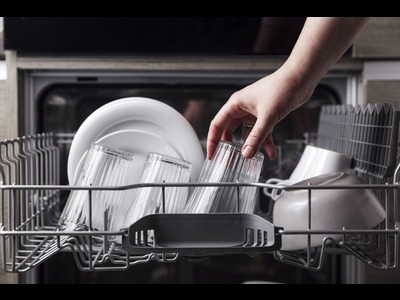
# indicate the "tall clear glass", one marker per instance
pixel 149 200
pixel 227 165
pixel 101 166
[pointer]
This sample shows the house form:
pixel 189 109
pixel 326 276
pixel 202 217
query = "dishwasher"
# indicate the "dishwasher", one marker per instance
pixel 31 194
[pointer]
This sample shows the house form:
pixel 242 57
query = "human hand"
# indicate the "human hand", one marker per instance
pixel 321 43
pixel 263 103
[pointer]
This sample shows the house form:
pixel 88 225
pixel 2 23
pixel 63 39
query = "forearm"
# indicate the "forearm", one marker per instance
pixel 321 43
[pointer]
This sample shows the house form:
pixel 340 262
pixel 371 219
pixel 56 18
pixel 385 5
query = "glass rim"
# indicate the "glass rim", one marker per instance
pixel 169 159
pixel 113 151
pixel 237 147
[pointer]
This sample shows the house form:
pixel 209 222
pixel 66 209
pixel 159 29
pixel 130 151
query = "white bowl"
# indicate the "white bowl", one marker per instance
pixel 331 209
pixel 314 161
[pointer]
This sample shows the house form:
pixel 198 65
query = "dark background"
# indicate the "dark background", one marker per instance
pixel 152 35
pixel 132 35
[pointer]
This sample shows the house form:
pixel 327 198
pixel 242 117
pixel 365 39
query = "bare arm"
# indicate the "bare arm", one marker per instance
pixel 321 43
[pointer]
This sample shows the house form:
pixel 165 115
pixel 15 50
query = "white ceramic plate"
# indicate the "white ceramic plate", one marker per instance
pixel 137 142
pixel 143 114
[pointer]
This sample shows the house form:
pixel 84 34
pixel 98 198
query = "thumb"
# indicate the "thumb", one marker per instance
pixel 255 139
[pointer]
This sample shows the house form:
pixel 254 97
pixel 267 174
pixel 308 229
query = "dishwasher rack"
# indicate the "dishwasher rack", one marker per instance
pixel 30 207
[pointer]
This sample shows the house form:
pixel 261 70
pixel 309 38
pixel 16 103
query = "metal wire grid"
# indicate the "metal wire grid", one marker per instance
pixel 24 249
pixel 29 213
pixel 367 133
pixel 97 250
pixel 378 247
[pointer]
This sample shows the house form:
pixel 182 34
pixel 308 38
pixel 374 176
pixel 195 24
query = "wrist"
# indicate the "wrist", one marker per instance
pixel 300 83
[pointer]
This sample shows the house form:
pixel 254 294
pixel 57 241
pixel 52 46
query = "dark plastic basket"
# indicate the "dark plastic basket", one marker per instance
pixel 202 234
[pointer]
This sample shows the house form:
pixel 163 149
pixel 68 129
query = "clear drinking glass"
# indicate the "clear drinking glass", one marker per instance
pixel 227 165
pixel 102 166
pixel 149 200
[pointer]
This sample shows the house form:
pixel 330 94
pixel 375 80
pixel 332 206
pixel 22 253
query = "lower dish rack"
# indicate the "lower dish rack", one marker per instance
pixel 30 208
pixel 174 235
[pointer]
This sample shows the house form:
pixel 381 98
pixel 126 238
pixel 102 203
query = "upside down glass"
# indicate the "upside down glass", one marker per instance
pixel 101 166
pixel 227 165
pixel 149 200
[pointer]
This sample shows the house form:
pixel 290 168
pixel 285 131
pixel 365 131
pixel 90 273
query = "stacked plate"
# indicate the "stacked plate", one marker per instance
pixel 139 126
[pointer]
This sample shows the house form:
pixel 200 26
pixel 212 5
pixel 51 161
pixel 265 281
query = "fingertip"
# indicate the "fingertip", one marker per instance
pixel 271 151
pixel 269 147
pixel 211 146
pixel 248 151
pixel 209 155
